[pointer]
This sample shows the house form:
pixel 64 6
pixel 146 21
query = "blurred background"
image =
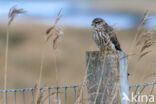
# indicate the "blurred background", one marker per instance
pixel 27 35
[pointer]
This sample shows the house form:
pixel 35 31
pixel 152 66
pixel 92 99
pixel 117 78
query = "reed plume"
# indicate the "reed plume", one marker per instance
pixel 144 42
pixel 13 12
pixel 55 30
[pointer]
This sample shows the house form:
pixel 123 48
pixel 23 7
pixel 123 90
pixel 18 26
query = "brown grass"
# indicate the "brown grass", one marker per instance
pixel 53 30
pixel 12 13
pixel 143 41
pixel 139 29
pixel 71 65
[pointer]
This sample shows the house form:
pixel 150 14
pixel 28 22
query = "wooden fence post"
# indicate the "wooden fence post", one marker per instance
pixel 107 78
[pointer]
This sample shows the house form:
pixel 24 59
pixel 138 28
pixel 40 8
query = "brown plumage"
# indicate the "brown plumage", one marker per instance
pixel 104 35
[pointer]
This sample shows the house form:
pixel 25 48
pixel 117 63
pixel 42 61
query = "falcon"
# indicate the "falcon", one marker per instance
pixel 104 35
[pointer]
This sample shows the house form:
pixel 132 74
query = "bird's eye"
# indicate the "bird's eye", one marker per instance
pixel 97 22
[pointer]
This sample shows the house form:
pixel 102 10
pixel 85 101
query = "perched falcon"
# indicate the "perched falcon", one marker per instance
pixel 104 35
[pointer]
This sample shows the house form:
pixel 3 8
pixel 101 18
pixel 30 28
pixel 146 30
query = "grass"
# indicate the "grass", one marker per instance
pixel 69 57
pixel 12 13
pixel 142 42
pixel 71 66
pixel 52 31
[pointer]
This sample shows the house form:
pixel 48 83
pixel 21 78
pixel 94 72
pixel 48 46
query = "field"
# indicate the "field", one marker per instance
pixel 27 42
pixel 28 58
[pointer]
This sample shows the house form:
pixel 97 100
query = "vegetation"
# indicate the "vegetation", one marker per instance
pixel 62 62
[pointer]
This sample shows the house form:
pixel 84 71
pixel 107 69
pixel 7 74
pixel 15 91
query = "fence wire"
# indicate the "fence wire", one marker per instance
pixel 142 89
pixel 53 94
pixel 50 97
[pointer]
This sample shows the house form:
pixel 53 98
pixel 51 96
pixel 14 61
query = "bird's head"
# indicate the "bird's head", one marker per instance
pixel 98 22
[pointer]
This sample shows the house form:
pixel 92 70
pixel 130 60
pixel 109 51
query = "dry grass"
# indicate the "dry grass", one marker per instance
pixel 12 13
pixel 57 32
pixel 72 66
pixel 143 42
pixel 53 34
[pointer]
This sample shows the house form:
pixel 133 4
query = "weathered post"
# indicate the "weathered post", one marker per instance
pixel 107 78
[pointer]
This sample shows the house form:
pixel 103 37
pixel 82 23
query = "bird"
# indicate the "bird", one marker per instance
pixel 104 36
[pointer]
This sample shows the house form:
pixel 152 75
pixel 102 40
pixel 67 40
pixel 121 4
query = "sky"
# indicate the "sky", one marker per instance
pixel 74 14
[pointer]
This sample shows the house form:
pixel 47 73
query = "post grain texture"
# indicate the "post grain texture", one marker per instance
pixel 107 77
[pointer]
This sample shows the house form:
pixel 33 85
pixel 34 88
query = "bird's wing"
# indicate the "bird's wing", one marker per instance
pixel 113 37
pixel 115 41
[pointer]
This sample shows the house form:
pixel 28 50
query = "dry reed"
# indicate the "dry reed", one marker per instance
pixel 53 30
pixel 142 42
pixel 38 94
pixel 143 39
pixel 11 16
pixel 53 33
pixel 13 13
pixel 139 28
pixel 41 96
pixel 79 98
